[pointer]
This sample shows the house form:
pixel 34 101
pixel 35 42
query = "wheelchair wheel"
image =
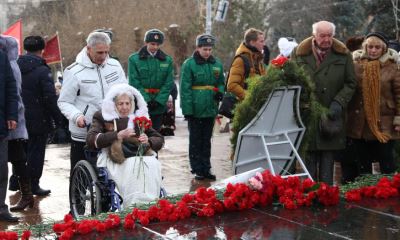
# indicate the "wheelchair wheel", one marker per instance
pixel 84 194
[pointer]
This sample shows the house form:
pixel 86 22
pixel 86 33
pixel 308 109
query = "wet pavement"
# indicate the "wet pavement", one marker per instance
pixel 369 219
pixel 175 170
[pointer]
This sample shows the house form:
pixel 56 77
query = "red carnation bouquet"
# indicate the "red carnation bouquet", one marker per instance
pixel 143 123
pixel 279 61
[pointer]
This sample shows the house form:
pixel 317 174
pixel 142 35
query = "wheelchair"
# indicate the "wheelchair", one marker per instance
pixel 91 191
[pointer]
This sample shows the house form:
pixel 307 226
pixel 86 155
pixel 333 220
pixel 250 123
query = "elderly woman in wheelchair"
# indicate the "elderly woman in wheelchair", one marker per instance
pixel 127 152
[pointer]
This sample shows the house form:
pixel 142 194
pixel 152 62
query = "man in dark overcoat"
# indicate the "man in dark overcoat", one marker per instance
pixel 8 121
pixel 330 66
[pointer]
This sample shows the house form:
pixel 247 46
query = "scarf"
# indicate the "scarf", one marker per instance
pixel 371 91
pixel 319 54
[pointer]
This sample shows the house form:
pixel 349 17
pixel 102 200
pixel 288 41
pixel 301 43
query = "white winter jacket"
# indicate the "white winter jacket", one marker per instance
pixel 83 90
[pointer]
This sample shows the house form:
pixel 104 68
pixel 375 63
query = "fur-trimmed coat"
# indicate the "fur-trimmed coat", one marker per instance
pixel 357 126
pixel 102 134
pixel 334 80
pixel 152 76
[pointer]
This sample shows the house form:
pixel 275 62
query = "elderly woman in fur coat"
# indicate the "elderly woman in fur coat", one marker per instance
pixel 113 130
pixel 374 112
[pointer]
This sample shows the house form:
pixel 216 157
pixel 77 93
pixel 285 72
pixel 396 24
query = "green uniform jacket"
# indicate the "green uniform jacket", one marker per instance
pixel 152 76
pixel 334 80
pixel 196 72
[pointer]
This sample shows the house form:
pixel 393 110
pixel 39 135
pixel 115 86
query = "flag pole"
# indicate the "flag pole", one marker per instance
pixel 59 49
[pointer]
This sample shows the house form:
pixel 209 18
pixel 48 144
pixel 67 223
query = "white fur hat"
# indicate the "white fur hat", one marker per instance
pixel 108 108
pixel 286 47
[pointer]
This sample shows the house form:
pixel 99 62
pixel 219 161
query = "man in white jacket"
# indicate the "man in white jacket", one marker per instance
pixel 86 82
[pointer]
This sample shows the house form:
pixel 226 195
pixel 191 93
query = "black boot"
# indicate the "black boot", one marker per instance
pixel 26 196
pixel 37 190
pixel 13 183
pixel 7 217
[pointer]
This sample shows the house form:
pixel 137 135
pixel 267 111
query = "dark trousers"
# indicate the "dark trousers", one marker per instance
pixel 35 151
pixel 17 157
pixel 3 175
pixel 200 133
pixel 360 154
pixel 77 153
pixel 156 121
pixel 320 165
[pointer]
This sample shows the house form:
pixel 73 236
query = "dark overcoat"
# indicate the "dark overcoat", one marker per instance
pixel 8 95
pixel 334 80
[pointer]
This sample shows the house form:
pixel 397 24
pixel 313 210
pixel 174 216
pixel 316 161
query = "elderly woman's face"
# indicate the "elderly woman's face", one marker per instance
pixel 124 105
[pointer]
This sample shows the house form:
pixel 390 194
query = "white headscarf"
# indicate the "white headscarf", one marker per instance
pixel 109 110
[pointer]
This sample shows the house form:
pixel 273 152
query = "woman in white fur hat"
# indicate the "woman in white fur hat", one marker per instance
pixel 138 178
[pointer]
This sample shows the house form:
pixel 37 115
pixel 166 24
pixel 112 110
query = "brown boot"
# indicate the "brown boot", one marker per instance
pixel 26 196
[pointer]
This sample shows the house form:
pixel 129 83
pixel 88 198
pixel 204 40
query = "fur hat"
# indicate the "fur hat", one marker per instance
pixel 34 43
pixel 154 35
pixel 286 46
pixel 205 40
pixel 379 35
pixel 108 108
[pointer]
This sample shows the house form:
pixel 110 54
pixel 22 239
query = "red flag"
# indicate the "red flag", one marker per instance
pixel 52 53
pixel 16 31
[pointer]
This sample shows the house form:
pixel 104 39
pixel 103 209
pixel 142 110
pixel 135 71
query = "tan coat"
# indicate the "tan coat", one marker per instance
pixel 357 126
pixel 236 80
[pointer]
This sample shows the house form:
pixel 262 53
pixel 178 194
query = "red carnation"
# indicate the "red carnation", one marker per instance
pixel 26 235
pixel 353 195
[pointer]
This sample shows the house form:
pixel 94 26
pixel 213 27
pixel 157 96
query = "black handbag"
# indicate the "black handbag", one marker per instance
pixel 227 105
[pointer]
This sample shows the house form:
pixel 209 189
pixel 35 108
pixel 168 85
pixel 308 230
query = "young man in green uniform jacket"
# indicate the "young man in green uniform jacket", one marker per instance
pixel 151 72
pixel 201 90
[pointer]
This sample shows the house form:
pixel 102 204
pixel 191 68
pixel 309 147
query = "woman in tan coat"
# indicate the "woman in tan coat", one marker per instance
pixel 374 112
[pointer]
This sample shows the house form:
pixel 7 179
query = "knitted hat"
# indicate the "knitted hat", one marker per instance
pixel 154 35
pixel 34 43
pixel 205 40
pixel 379 35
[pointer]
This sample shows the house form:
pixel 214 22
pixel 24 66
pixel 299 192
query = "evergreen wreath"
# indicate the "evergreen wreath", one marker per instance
pixel 282 75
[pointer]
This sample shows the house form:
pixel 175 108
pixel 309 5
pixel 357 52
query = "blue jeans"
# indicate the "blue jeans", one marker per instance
pixel 3 174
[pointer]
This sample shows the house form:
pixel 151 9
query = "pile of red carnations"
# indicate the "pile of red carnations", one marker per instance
pixel 69 227
pixel 14 236
pixel 262 190
pixel 385 188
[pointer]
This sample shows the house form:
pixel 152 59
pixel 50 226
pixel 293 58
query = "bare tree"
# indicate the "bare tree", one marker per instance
pixel 75 19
